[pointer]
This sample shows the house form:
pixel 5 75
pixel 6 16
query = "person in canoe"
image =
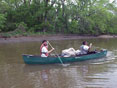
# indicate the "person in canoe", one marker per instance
pixel 44 49
pixel 84 48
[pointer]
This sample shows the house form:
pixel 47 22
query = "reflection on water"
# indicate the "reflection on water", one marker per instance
pixel 98 73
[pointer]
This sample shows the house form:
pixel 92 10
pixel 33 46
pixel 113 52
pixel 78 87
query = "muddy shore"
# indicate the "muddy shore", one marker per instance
pixel 50 37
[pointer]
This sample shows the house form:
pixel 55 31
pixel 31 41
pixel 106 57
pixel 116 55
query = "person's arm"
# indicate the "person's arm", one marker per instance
pixel 50 50
pixel 90 46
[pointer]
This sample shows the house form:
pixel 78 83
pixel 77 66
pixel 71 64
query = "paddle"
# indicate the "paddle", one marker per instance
pixel 97 48
pixel 58 55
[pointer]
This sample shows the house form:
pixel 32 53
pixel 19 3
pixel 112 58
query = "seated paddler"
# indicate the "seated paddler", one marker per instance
pixel 44 49
pixel 85 48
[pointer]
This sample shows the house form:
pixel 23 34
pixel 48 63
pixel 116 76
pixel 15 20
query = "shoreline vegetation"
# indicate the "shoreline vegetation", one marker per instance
pixel 21 35
pixel 35 20
pixel 40 37
pixel 93 17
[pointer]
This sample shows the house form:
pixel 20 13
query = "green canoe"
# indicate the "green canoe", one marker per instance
pixel 33 59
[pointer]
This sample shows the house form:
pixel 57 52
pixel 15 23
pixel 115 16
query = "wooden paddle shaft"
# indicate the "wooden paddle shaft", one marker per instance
pixel 56 54
pixel 50 44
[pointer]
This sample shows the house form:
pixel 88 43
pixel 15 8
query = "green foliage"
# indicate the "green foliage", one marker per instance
pixel 59 16
pixel 73 27
pixel 23 25
pixel 2 21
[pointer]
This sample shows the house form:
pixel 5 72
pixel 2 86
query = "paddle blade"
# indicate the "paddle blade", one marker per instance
pixel 65 65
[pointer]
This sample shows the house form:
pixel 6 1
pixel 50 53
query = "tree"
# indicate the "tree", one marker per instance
pixel 2 21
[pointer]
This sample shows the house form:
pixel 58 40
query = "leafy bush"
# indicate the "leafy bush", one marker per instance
pixel 2 21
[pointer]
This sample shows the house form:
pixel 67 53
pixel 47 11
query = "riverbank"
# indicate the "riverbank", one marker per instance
pixel 50 37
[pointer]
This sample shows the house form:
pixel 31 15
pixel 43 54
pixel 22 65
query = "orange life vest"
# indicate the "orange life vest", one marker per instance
pixel 41 50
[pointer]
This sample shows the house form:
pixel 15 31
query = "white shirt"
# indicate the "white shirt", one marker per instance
pixel 44 50
pixel 84 49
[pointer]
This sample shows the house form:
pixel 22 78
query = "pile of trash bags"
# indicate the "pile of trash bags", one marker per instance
pixel 70 52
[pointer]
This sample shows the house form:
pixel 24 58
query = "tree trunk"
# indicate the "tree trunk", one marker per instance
pixel 29 1
pixel 63 13
pixel 24 1
pixel 63 8
pixel 45 16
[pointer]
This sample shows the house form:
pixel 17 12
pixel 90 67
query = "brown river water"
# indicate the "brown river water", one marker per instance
pixel 98 73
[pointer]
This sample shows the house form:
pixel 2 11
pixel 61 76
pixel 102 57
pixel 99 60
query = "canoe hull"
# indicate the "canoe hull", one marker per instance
pixel 31 59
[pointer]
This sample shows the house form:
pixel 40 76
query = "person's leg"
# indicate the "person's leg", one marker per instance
pixel 91 52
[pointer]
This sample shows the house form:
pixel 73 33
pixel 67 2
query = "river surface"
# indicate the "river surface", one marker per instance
pixel 98 73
